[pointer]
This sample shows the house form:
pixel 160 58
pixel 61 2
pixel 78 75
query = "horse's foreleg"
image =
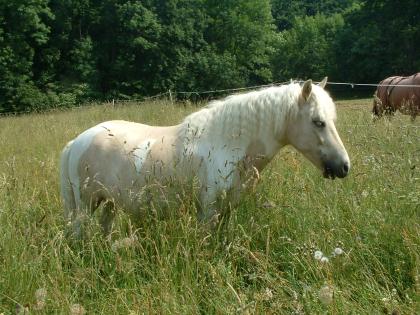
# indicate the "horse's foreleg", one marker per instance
pixel 415 110
pixel 208 212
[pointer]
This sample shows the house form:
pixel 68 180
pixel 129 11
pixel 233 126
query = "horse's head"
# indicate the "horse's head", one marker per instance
pixel 377 109
pixel 312 131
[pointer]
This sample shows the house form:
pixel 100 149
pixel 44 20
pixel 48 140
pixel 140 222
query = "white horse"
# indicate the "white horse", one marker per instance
pixel 223 146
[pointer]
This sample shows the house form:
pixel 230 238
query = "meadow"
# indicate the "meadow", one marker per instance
pixel 264 260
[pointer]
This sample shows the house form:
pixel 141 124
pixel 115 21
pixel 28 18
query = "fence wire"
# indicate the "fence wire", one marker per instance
pixel 170 94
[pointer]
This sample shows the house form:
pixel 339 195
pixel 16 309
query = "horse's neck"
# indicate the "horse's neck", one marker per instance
pixel 271 133
pixel 261 130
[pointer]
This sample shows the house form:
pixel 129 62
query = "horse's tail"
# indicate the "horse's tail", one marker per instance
pixel 67 193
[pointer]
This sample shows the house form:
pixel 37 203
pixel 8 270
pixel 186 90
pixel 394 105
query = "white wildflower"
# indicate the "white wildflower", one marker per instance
pixel 338 251
pixel 268 294
pixel 409 300
pixel 318 255
pixel 40 296
pixel 326 294
pixel 77 309
pixel 324 260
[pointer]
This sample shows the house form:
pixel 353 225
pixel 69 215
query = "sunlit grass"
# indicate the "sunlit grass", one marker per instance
pixel 261 262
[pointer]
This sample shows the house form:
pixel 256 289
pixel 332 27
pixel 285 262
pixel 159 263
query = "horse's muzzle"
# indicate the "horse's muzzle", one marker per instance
pixel 333 170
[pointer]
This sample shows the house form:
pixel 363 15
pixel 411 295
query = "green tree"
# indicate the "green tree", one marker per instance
pixel 183 24
pixel 72 41
pixel 307 49
pixel 285 11
pixel 381 38
pixel 126 35
pixel 23 32
pixel 240 35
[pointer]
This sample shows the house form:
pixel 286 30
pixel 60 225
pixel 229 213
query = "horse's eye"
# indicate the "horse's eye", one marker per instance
pixel 319 123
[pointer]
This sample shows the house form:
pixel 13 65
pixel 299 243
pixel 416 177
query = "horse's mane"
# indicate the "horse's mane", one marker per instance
pixel 239 97
pixel 241 110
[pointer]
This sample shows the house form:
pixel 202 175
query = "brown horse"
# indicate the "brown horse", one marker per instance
pixel 398 93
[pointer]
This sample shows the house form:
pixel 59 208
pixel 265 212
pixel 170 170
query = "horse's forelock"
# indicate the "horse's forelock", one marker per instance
pixel 324 102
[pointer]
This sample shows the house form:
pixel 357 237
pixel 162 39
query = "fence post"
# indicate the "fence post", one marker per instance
pixel 170 96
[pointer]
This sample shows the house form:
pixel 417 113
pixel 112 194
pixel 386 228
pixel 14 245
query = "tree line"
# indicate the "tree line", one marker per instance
pixel 62 52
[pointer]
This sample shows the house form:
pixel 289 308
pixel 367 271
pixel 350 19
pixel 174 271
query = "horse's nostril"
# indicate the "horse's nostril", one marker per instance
pixel 346 168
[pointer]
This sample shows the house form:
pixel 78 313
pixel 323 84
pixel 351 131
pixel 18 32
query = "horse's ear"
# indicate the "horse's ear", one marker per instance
pixel 323 83
pixel 307 89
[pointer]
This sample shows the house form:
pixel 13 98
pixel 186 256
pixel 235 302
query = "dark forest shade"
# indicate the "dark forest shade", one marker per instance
pixel 61 52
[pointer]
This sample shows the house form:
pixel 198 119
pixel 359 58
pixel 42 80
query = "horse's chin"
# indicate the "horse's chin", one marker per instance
pixel 329 174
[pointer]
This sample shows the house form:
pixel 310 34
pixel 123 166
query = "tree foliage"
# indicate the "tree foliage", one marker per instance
pixel 23 33
pixel 308 48
pixel 61 52
pixel 285 12
pixel 380 38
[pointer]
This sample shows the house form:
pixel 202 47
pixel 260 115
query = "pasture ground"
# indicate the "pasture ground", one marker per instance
pixel 261 263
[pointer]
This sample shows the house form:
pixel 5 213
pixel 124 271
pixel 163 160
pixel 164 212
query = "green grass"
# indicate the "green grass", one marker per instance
pixel 262 262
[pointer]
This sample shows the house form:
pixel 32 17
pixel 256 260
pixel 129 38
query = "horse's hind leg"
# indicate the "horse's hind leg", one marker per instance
pixel 66 189
pixel 107 217
pixel 70 195
pixel 78 220
pixel 81 215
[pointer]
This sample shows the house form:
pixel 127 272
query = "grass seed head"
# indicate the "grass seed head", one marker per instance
pixel 126 243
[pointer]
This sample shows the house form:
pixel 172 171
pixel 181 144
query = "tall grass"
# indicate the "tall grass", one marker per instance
pixel 262 261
